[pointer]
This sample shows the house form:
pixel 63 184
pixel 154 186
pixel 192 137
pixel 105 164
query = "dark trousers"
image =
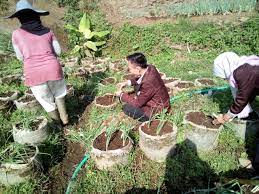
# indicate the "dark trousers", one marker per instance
pixel 135 113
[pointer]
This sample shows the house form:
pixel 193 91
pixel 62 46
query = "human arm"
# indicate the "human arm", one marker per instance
pixel 146 94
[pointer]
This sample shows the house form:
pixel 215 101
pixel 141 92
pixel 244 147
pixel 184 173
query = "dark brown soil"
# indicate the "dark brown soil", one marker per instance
pixel 151 128
pixel 184 85
pixel 28 99
pixel 60 176
pixel 129 76
pixel 4 105
pixel 7 94
pixel 29 92
pixel 35 124
pixel 105 100
pixel 166 81
pixel 168 89
pixel 206 82
pixel 81 72
pixel 108 80
pixel 116 141
pixel 200 118
pixel 11 79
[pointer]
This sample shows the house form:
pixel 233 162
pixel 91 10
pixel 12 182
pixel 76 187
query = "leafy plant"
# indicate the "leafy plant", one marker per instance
pixel 125 129
pixel 89 41
pixel 109 130
pixel 17 153
pixel 162 117
pixel 5 44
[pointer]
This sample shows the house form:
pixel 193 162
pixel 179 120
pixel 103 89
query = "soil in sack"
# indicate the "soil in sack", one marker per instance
pixel 129 77
pixel 11 79
pixel 116 142
pixel 6 94
pixel 184 85
pixel 5 104
pixel 108 80
pixel 28 99
pixel 206 82
pixel 166 81
pixel 151 128
pixel 200 118
pixel 33 126
pixel 105 100
pixel 17 154
pixel 29 92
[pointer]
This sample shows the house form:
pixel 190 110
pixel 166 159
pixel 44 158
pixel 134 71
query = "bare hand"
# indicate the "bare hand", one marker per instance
pixel 118 93
pixel 121 85
pixel 221 119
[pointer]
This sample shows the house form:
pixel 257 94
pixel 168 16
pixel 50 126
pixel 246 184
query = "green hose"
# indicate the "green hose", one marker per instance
pixel 172 100
pixel 202 91
pixel 76 172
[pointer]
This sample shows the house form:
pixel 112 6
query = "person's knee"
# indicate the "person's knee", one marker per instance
pixel 127 108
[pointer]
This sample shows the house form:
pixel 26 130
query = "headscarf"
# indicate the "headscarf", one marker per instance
pixel 226 63
pixel 30 22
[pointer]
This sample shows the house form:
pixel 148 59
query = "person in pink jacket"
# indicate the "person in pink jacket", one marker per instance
pixel 37 47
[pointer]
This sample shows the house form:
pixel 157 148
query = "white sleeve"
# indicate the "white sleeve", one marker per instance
pixel 18 53
pixel 56 47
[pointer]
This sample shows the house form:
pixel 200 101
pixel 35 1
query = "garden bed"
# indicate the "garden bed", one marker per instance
pixel 129 77
pixel 107 81
pixel 157 140
pixel 116 152
pixel 32 132
pixel 106 101
pixel 202 133
pixel 204 82
pixel 17 162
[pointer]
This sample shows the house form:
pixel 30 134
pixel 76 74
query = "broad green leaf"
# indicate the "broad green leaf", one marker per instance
pixel 100 43
pixel 76 49
pixel 84 24
pixel 88 53
pixel 91 45
pixel 101 34
pixel 88 34
pixel 70 27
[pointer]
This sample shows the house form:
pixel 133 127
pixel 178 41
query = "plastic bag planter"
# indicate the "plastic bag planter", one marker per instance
pixel 108 81
pixel 37 133
pixel 108 159
pixel 183 85
pixel 15 173
pixel 202 133
pixel 106 101
pixel 157 147
pixel 170 82
pixel 117 66
pixel 27 102
pixel 11 79
pixel 128 77
pixel 9 96
pixel 70 90
pixel 5 106
pixel 244 128
pixel 204 82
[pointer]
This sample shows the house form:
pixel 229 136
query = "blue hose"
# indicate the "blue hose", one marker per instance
pixel 76 172
pixel 172 100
